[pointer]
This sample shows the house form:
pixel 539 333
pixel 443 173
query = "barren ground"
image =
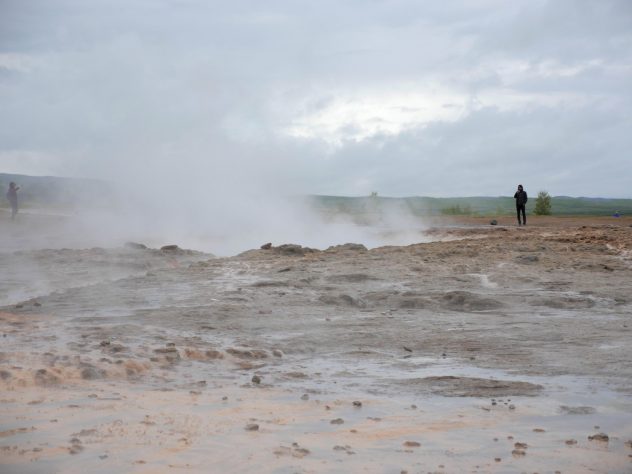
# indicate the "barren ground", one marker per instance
pixel 489 349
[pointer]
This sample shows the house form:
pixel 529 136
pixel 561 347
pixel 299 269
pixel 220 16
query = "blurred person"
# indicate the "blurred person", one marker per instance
pixel 12 196
pixel 521 201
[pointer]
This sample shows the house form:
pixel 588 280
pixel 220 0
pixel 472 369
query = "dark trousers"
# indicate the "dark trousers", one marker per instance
pixel 521 208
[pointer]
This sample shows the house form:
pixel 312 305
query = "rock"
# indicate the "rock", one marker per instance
pixel 580 410
pixel 517 453
pixel 342 300
pixel 45 378
pixel 169 248
pixel 527 259
pixel 293 250
pixel 519 445
pixel 247 353
pixel 135 246
pixel 337 421
pixel 493 222
pixel 300 452
pixel 599 437
pixel 497 459
pixel 252 427
pixel 277 353
pixel 412 444
pixel 407 349
pixel 357 404
pixel 92 373
pixel 538 430
pixel 304 397
pixel 267 246
pixel 512 407
pixel 256 379
pixel 571 442
pixel 347 247
pixel 75 449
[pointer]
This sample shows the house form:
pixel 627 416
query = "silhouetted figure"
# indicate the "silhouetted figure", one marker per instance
pixel 521 201
pixel 12 196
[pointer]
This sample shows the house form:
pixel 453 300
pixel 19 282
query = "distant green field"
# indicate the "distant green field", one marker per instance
pixel 54 192
pixel 474 206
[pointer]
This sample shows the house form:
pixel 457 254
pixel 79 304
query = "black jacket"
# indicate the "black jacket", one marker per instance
pixel 521 198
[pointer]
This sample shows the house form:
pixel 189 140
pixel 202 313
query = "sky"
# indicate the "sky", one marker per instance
pixel 341 97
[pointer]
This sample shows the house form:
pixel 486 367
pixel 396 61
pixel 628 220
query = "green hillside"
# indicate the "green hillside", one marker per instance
pixel 475 206
pixel 67 193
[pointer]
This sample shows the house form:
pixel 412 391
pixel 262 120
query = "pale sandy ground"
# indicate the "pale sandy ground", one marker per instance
pixel 491 349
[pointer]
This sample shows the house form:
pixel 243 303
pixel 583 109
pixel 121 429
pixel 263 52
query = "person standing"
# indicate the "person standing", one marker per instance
pixel 12 196
pixel 521 202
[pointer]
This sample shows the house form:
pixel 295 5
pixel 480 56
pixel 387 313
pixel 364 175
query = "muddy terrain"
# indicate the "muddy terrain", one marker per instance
pixel 484 349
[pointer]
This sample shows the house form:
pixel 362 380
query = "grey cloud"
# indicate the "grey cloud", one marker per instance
pixel 138 86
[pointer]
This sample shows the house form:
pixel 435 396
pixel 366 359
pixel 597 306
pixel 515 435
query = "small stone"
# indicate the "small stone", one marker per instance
pixel 252 427
pixel 300 452
pixel 497 459
pixel 599 437
pixel 512 407
pixel 337 421
pixel 224 398
pixel 267 246
pixel 520 445
pixel 304 397
pixel 538 430
pixel 277 353
pixel 256 379
pixel 518 453
pixel 357 404
pixel 493 222
pixel 412 444
pixel 413 407
pixel 571 442
pixel 75 449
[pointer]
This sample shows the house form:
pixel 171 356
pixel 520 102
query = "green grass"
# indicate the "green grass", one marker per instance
pixel 471 206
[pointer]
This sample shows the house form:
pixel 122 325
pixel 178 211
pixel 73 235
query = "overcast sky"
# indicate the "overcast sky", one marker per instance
pixel 344 97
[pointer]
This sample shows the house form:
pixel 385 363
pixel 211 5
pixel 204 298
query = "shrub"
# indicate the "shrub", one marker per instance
pixel 542 204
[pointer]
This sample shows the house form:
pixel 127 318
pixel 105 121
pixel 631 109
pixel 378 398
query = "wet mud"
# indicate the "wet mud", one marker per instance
pixel 489 349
